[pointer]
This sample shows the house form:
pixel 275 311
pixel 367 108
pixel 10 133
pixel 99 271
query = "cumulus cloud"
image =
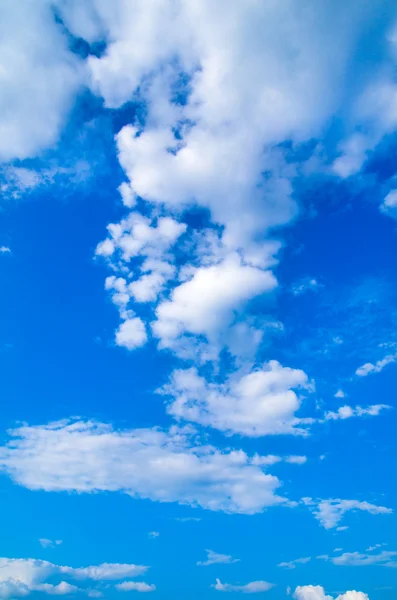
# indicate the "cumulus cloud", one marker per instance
pixel 206 303
pixel 165 466
pixel 249 588
pixel 131 333
pixel 213 558
pixel 330 512
pixel 262 402
pixel 316 592
pixel 21 576
pixel 38 85
pixel 5 250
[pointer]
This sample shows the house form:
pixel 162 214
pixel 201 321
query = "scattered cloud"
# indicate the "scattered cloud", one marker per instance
pixel 49 543
pixel 292 563
pixel 347 412
pixel 153 534
pixel 340 394
pixel 377 367
pixel 135 586
pixel 5 250
pixel 356 559
pixel 20 576
pixel 330 512
pixel 249 588
pixel 165 466
pixel 213 558
pixel 306 285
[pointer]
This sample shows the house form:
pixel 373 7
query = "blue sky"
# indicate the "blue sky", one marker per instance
pixel 198 344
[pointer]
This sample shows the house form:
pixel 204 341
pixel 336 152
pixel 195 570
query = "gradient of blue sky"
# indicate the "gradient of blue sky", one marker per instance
pixel 228 424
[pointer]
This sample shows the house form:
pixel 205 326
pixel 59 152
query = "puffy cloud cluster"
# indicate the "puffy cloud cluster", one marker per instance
pixel 259 403
pixel 144 463
pixel 21 576
pixel 316 592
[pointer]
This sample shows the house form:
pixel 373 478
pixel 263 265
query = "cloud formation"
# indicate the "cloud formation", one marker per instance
pixel 144 463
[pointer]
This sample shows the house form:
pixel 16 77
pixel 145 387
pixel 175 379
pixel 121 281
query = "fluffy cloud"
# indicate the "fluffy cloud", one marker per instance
pixel 260 403
pixel 131 333
pixel 34 81
pixel 206 303
pixel 316 592
pixel 249 588
pixel 330 512
pixel 21 576
pixel 213 558
pixel 389 204
pixel 347 412
pixel 144 463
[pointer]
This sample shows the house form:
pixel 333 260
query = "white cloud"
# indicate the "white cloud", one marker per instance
pixel 21 576
pixel 213 558
pixel 389 204
pixel 340 394
pixel 249 588
pixel 330 512
pixel 347 412
pixel 205 304
pixel 260 403
pixel 368 368
pixel 34 80
pixel 144 463
pixel 292 563
pixel 131 333
pixel 153 534
pixel 5 250
pixel 356 559
pixel 316 592
pixel 46 543
pixel 135 586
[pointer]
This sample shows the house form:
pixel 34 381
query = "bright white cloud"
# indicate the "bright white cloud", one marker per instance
pixel 331 512
pixel 131 333
pixel 292 563
pixel 144 463
pixel 316 592
pixel 206 303
pixel 21 576
pixel 249 588
pixel 377 367
pixel 5 250
pixel 34 80
pixel 262 402
pixel 135 586
pixel 347 412
pixel 46 543
pixel 213 558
